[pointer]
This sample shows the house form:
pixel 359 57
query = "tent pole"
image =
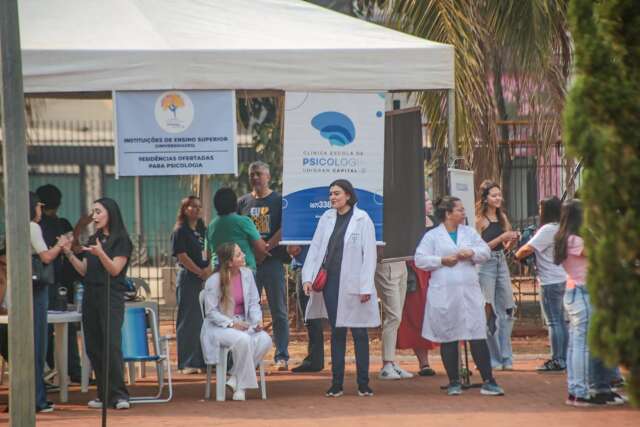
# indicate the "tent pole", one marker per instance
pixel 452 148
pixel 451 127
pixel 16 184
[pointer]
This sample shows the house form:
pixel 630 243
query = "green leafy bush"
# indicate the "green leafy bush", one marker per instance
pixel 602 127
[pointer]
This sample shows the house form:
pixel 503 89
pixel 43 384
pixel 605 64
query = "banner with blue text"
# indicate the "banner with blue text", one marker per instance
pixel 189 132
pixel 329 136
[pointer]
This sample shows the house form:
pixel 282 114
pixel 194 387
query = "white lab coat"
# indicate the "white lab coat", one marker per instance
pixel 216 322
pixel 455 305
pixel 357 271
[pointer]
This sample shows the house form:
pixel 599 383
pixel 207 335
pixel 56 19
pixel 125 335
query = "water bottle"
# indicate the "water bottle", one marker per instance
pixel 77 296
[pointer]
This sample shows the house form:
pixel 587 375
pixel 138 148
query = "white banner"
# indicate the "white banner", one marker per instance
pixel 329 136
pixel 175 132
pixel 462 187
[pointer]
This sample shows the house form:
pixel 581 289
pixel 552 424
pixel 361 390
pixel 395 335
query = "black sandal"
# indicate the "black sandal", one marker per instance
pixel 426 371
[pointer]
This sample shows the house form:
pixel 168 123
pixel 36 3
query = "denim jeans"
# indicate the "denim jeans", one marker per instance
pixel 270 276
pixel 601 376
pixel 578 307
pixel 338 350
pixel 40 307
pixel 552 302
pixel 495 282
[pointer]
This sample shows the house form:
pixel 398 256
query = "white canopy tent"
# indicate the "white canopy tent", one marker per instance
pixel 97 45
pixel 77 47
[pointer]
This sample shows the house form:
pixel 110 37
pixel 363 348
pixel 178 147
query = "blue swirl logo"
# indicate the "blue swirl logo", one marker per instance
pixel 336 127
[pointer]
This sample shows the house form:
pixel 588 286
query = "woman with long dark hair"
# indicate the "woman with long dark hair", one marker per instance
pixel 344 244
pixel 583 371
pixel 552 279
pixel 233 318
pixel 455 306
pixel 494 227
pixel 187 242
pixel 105 262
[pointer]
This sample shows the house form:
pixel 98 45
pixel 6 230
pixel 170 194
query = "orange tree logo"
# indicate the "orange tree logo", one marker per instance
pixel 174 111
pixel 172 102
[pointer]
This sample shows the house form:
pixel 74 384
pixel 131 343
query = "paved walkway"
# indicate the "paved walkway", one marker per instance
pixel 532 399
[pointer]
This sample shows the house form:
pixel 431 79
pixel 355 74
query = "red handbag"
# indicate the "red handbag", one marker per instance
pixel 321 278
pixel 320 281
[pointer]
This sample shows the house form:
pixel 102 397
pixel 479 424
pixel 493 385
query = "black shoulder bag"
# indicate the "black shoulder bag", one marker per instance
pixel 42 274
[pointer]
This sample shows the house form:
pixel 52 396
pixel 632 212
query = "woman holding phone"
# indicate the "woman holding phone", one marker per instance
pixel 103 262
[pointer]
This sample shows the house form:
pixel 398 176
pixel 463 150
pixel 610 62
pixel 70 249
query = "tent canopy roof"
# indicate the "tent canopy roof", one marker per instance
pixel 97 45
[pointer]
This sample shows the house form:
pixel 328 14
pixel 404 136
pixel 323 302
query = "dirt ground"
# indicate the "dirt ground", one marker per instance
pixel 531 399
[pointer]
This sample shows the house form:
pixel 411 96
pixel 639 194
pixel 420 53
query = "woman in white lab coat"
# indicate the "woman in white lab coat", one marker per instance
pixel 233 319
pixel 455 306
pixel 345 244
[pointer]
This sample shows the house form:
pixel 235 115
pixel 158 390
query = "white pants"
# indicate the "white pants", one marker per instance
pixel 248 349
pixel 391 284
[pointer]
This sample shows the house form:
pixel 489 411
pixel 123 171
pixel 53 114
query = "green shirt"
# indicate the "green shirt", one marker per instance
pixel 233 228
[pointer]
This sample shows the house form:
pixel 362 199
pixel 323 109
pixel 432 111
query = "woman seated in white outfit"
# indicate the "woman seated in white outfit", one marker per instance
pixel 233 319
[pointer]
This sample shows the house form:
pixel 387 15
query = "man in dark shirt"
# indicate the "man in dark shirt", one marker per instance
pixel 53 226
pixel 264 207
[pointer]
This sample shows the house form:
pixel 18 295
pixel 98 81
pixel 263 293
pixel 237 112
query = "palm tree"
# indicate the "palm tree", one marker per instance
pixel 507 51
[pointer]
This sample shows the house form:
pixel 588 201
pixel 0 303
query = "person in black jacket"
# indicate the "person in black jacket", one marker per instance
pixel 53 226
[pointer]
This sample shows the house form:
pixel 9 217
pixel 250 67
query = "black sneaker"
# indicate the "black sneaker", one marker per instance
pixel 364 390
pixel 609 398
pixel 334 391
pixel 48 408
pixel 617 384
pixel 51 388
pixel 584 402
pixel 550 365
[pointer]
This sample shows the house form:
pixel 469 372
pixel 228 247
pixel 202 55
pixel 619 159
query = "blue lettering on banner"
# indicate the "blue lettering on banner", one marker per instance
pixel 298 225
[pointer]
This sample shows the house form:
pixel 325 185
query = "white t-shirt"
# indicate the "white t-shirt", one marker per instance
pixel 37 241
pixel 543 242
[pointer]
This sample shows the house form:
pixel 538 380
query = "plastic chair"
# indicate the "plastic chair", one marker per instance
pixel 135 348
pixel 221 369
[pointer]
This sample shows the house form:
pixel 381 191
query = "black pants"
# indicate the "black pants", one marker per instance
pixel 315 346
pixel 449 351
pixel 331 294
pixel 189 321
pixel 94 307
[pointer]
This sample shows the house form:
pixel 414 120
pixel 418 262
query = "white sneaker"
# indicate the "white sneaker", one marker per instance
pixel 190 371
pixel 239 394
pixel 95 404
pixel 281 365
pixel 232 382
pixel 403 374
pixel 388 372
pixel 123 404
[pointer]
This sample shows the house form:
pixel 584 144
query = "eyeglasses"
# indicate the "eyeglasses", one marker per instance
pixel 195 207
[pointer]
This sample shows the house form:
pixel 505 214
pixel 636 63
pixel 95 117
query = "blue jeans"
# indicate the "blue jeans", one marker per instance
pixel 578 307
pixel 551 300
pixel 601 376
pixel 495 282
pixel 40 307
pixel 270 276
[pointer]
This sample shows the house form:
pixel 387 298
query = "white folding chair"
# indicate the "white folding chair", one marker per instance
pixel 221 369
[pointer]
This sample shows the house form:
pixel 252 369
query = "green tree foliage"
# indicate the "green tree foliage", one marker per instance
pixel 602 127
pixel 519 47
pixel 263 117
